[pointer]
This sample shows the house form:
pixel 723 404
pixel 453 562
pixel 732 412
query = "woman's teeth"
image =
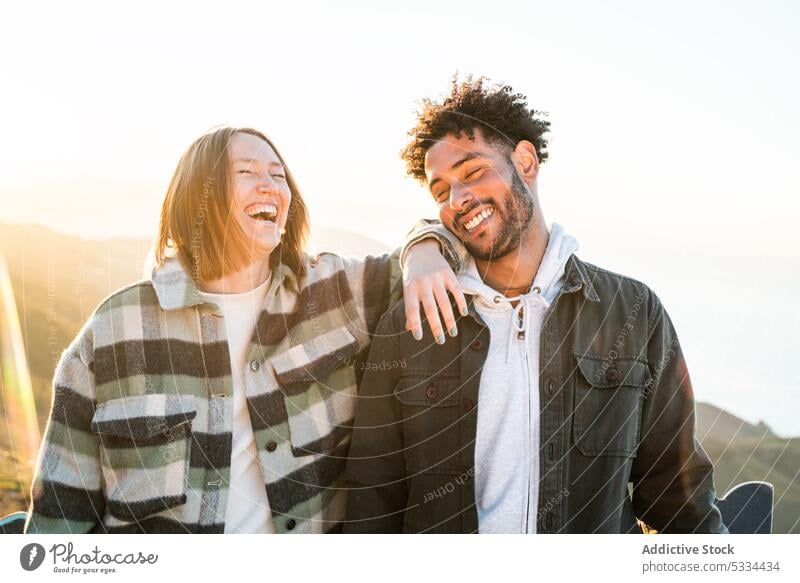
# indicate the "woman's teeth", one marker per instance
pixel 479 218
pixel 262 212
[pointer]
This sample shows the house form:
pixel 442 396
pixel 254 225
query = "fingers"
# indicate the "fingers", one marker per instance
pixel 411 298
pixel 436 306
pixel 443 301
pixel 432 292
pixel 432 314
pixel 455 289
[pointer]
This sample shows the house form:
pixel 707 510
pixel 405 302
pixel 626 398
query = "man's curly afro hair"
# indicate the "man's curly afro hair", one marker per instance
pixel 502 116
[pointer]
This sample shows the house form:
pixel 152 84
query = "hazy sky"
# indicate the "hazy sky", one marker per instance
pixel 675 121
pixel 674 131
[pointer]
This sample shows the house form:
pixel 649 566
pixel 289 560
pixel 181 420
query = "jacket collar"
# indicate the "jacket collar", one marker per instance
pixel 577 278
pixel 175 288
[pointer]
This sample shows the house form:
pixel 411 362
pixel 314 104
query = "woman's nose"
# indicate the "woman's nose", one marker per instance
pixel 267 185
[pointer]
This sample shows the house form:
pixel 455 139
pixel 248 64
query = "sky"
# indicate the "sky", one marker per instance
pixel 673 142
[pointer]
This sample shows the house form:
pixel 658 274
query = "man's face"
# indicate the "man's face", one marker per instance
pixel 481 198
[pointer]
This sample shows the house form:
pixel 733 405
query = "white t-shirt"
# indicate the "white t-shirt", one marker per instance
pixel 248 508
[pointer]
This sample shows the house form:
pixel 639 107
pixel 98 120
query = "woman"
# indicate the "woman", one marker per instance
pixel 218 395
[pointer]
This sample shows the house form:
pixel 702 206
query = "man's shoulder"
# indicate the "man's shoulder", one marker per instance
pixel 609 284
pixel 393 320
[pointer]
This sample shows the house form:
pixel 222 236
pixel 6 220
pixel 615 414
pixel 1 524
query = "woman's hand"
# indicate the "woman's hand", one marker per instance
pixel 427 279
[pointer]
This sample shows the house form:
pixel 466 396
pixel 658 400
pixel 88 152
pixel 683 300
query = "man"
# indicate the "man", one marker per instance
pixel 563 406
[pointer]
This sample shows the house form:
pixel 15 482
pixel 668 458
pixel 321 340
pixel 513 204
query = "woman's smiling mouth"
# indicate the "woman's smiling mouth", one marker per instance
pixel 262 212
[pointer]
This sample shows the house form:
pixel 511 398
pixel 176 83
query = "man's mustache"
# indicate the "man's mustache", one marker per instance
pixel 464 212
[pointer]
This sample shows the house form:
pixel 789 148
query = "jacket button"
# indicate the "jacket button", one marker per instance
pixel 431 392
pixel 612 375
pixel 272 446
pixel 468 405
pixel 290 524
pixel 255 365
pixel 477 345
pixel 551 388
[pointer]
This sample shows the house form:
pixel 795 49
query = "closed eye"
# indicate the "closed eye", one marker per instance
pixel 476 173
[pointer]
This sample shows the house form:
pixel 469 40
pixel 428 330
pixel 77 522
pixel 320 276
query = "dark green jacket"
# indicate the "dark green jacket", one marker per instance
pixel 617 421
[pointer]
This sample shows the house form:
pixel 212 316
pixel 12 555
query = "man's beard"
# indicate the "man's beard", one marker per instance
pixel 516 217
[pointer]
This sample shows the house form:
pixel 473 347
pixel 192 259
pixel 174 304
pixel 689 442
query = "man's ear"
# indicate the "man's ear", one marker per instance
pixel 526 161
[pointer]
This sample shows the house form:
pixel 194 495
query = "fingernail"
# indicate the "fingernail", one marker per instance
pixel 453 332
pixel 440 339
pixel 417 334
pixel 464 311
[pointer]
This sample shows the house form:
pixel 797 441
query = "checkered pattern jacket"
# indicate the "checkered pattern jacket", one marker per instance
pixel 139 436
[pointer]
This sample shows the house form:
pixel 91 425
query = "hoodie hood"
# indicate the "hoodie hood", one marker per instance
pixel 548 280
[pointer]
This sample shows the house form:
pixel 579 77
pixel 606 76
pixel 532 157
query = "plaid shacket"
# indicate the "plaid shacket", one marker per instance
pixel 139 436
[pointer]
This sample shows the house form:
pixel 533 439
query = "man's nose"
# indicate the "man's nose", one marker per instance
pixel 460 198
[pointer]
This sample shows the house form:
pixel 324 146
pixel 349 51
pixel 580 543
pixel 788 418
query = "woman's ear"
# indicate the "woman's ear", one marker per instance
pixel 526 161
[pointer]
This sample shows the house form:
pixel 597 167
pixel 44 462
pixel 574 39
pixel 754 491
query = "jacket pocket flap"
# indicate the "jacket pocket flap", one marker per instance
pixel 315 359
pixel 607 373
pixel 428 391
pixel 143 416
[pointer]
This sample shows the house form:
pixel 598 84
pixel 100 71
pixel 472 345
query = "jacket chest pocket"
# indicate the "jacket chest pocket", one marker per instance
pixel 608 404
pixel 319 390
pixel 431 410
pixel 145 443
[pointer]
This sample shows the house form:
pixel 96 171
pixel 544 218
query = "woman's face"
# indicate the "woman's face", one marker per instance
pixel 260 194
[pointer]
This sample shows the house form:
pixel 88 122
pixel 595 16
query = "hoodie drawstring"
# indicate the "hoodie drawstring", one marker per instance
pixel 520 316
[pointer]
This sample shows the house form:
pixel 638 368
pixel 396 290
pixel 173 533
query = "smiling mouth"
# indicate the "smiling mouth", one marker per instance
pixel 262 212
pixel 478 219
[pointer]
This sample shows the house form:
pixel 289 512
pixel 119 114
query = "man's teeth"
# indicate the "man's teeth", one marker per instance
pixel 264 212
pixel 478 219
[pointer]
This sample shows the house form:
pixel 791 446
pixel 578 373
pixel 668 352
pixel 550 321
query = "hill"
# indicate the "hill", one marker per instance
pixel 742 452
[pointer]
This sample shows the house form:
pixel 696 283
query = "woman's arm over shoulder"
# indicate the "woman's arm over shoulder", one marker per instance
pixel 451 247
pixel 377 282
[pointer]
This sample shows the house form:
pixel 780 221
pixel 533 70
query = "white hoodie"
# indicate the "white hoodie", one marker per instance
pixel 507 444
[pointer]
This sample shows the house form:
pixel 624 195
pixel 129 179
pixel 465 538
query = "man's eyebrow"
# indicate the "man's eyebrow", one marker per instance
pixel 456 165
pixel 464 160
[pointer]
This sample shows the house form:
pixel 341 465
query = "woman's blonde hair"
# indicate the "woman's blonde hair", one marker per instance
pixel 195 219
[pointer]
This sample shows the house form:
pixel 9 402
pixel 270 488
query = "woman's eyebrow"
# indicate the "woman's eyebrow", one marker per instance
pixel 254 161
